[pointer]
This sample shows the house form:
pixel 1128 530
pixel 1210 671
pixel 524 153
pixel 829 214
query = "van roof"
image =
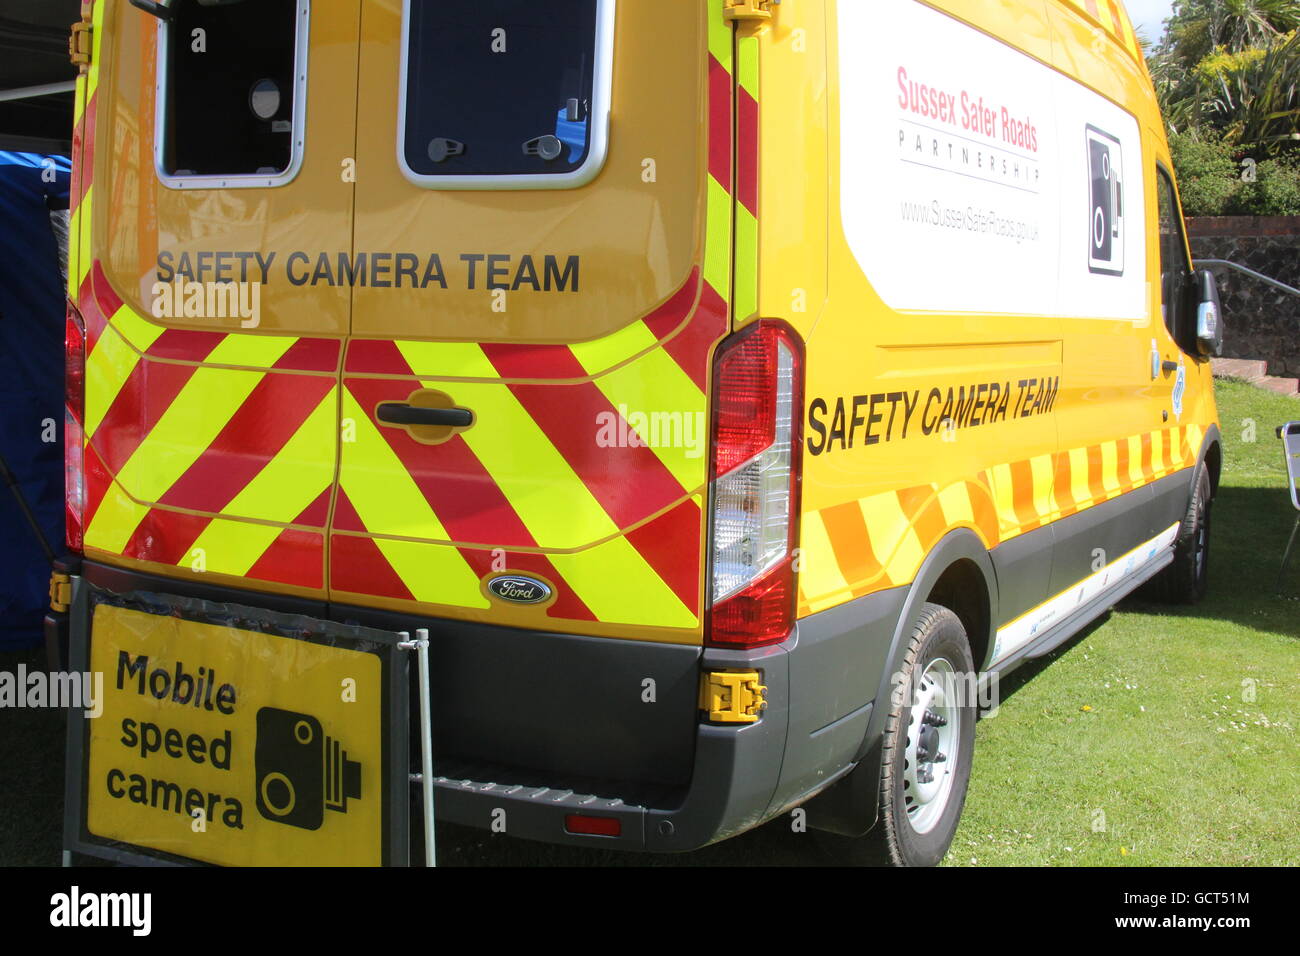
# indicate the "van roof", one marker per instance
pixel 1111 16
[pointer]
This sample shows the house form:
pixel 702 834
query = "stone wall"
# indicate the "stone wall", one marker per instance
pixel 1262 322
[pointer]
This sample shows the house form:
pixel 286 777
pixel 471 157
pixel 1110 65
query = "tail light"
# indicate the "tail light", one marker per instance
pixel 74 414
pixel 755 477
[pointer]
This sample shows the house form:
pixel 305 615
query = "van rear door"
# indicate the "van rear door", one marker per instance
pixel 543 243
pixel 212 418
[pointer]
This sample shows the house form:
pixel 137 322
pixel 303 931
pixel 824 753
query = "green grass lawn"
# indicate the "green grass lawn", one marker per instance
pixel 1186 754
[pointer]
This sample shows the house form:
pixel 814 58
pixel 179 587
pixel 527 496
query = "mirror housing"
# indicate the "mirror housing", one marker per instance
pixel 1209 314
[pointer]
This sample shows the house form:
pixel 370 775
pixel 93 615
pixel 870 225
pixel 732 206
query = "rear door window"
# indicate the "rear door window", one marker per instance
pixel 231 92
pixel 505 93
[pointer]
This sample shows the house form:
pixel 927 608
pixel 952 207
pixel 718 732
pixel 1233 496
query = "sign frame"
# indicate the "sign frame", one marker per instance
pixel 395 718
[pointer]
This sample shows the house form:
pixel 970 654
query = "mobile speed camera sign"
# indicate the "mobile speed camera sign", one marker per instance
pixel 237 737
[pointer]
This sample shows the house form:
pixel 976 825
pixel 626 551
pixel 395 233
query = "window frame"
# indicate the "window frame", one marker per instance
pixel 1175 330
pixel 602 85
pixel 162 73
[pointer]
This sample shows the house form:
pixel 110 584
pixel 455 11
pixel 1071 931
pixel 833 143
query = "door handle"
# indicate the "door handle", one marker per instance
pixel 1168 366
pixel 403 413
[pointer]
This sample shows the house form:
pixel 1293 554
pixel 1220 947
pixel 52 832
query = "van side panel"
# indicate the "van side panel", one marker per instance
pixel 990 310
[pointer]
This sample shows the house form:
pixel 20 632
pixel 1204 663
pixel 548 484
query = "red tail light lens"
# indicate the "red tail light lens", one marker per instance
pixel 757 414
pixel 74 412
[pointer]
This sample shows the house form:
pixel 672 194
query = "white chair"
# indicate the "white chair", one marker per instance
pixel 1290 435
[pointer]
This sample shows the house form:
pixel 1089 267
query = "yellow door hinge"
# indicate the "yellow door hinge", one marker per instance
pixel 733 697
pixel 60 592
pixel 79 45
pixel 748 9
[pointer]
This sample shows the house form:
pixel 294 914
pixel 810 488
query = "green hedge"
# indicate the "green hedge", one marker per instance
pixel 1214 180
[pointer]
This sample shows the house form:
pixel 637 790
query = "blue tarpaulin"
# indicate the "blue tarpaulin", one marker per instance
pixel 31 384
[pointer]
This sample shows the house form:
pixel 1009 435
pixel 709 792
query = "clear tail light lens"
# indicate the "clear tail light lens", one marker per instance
pixel 758 408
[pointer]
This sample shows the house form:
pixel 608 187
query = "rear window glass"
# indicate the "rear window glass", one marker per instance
pixel 231 89
pixel 505 88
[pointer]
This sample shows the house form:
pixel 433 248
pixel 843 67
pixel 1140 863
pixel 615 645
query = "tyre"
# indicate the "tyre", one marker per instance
pixel 929 738
pixel 1185 581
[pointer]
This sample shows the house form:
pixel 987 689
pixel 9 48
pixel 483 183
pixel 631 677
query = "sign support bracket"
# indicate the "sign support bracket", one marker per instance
pixel 421 646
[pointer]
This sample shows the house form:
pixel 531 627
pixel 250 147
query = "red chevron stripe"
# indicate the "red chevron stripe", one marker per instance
pixel 165 537
pixel 185 345
pixel 668 318
pixel 148 392
pixel 356 564
pixel 373 357
pixel 311 355
pixel 98 481
pixel 747 149
pixel 668 544
pixel 572 416
pixel 316 514
pixel 454 483
pixel 1062 486
pixel 271 415
pixel 97 303
pixel 720 123
pixel 692 350
pixel 295 558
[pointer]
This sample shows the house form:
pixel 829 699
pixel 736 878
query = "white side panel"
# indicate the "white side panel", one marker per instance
pixel 967 173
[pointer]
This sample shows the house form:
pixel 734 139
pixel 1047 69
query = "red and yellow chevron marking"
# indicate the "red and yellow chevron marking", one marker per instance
pixel 878 542
pixel 1111 16
pixel 747 172
pixel 216 451
pixel 536 494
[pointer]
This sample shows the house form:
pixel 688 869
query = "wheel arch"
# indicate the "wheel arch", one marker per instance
pixel 960 559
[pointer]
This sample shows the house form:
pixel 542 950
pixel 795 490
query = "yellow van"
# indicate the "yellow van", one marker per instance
pixel 733 389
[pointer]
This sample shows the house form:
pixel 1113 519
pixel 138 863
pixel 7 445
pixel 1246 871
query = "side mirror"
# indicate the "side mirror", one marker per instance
pixel 1209 316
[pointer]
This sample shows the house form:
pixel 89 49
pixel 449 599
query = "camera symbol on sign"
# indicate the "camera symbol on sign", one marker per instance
pixel 300 771
pixel 1106 219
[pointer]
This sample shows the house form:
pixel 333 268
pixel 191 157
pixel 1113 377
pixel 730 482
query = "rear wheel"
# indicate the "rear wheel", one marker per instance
pixel 929 737
pixel 1186 580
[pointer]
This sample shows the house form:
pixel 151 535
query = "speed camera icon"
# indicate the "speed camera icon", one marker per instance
pixel 1106 209
pixel 301 771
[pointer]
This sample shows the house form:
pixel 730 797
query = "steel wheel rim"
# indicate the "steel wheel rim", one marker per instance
pixel 930 758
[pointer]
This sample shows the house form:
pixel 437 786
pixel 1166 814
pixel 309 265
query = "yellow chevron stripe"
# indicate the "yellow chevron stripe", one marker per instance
pixel 108 367
pixel 207 402
pixel 280 492
pixel 79 227
pixel 560 512
pixel 720 36
pixel 605 575
pixel 717 244
pixel 747 64
pixel 388 501
pixel 655 384
pixel 746 263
